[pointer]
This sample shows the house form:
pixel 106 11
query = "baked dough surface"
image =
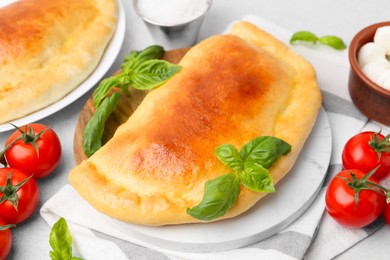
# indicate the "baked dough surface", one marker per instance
pixel 47 48
pixel 231 89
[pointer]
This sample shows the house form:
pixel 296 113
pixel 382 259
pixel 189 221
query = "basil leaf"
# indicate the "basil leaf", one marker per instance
pixel 257 178
pixel 264 150
pixel 152 73
pixel 131 61
pixel 229 155
pixel 93 131
pixel 219 196
pixel 333 41
pixel 303 36
pixel 61 241
pixel 250 166
pixel 140 69
pixel 135 58
pixel 104 87
pixel 128 60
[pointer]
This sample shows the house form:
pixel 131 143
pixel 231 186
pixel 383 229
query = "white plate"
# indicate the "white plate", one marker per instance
pixel 294 194
pixel 108 59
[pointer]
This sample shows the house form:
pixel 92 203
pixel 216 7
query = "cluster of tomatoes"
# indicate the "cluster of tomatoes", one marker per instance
pixel 355 198
pixel 31 152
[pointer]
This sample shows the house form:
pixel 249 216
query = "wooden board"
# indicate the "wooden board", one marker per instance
pixel 125 108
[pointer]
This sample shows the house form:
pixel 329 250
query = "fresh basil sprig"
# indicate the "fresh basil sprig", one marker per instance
pixel 141 70
pixel 61 242
pixel 152 73
pixel 229 156
pixel 250 167
pixel 332 41
pixel 220 195
pixel 135 58
pixel 264 150
pixel 329 40
pixel 257 178
pixel 105 85
pixel 304 36
pixel 93 130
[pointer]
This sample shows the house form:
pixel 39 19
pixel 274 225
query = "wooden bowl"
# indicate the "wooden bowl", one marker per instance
pixel 370 98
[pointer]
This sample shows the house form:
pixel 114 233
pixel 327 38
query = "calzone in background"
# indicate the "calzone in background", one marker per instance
pixel 47 48
pixel 231 89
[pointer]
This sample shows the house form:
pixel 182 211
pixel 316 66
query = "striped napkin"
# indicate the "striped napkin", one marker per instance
pixel 314 235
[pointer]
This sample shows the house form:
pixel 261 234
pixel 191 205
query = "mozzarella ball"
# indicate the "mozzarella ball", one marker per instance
pixel 370 52
pixel 382 37
pixel 384 79
pixel 374 69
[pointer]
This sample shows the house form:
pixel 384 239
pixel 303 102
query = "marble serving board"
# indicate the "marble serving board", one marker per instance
pixel 294 194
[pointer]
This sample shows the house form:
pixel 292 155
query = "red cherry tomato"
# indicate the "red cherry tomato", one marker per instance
pixel 40 160
pixel 340 201
pixel 5 239
pixel 386 213
pixel 27 195
pixel 362 152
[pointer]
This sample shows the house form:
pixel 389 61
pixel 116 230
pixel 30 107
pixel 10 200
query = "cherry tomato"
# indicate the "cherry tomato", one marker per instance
pixel 40 160
pixel 5 239
pixel 362 152
pixel 26 199
pixel 386 213
pixel 340 201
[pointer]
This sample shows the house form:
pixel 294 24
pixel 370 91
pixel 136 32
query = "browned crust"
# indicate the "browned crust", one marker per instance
pixel 47 48
pixel 230 90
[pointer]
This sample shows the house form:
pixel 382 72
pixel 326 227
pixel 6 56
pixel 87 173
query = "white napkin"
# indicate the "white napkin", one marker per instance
pixel 97 237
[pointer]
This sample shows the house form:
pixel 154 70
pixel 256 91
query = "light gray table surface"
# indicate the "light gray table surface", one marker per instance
pixel 343 18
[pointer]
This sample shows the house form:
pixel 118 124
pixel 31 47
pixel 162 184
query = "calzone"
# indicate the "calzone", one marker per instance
pixel 47 48
pixel 231 89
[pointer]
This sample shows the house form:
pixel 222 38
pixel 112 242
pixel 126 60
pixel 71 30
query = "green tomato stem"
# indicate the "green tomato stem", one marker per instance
pixel 2 153
pixel 364 184
pixel 7 227
pixel 380 146
pixel 10 191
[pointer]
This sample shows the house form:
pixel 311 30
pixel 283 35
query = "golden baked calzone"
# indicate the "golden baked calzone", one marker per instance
pixel 231 89
pixel 47 48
